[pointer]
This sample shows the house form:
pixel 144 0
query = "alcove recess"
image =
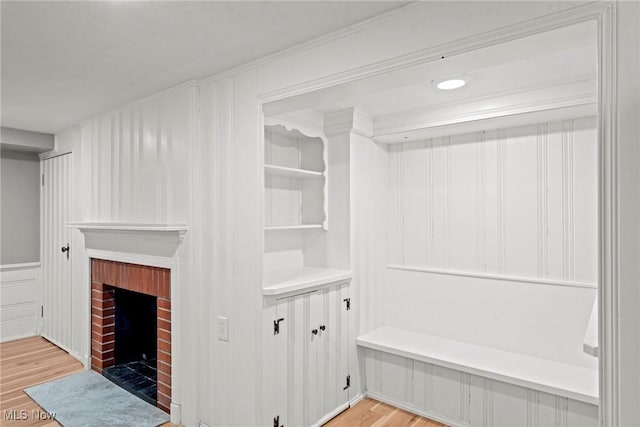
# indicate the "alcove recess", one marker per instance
pixel 296 205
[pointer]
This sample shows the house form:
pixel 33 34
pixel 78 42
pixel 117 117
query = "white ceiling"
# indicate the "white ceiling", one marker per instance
pixel 63 62
pixel 558 66
pixel 548 59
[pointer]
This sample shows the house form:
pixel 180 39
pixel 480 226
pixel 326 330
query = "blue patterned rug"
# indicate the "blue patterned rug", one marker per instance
pixel 87 399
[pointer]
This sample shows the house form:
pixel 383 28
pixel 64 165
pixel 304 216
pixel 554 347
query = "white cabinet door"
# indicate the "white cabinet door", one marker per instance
pixel 332 358
pixel 311 356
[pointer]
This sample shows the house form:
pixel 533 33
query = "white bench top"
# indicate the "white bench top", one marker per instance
pixel 545 375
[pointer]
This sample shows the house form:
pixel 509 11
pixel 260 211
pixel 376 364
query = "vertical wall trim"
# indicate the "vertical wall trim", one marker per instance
pixel 481 264
pixel 609 287
pixel 378 371
pixel 567 201
pixel 487 402
pixel 465 397
pixel 447 208
pixel 400 205
pixel 130 155
pixel 95 176
pixel 115 166
pixel 543 193
pixel 533 400
pixel 408 380
pixel 561 411
pixel 428 188
pixel 432 207
pixel 428 385
pixel 570 202
pixel 501 164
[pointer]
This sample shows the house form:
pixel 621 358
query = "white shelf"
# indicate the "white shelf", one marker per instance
pixel 291 227
pixel 545 375
pixel 125 226
pixel 291 172
pixel 305 279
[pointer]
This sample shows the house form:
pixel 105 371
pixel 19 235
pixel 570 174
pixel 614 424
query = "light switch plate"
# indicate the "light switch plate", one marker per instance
pixel 223 328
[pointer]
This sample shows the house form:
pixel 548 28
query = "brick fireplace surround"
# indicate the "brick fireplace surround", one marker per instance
pixel 154 281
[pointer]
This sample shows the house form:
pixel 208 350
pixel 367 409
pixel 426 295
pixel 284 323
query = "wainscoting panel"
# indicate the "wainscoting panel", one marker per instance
pixel 519 201
pixel 459 398
pixel 19 296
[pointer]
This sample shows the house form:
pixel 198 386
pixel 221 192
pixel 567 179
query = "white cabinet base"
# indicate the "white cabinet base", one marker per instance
pixel 459 398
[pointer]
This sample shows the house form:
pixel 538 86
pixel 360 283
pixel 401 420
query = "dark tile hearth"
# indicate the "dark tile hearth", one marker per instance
pixel 139 378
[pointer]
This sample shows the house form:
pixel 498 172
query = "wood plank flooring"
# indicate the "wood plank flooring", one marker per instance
pixel 31 361
pixel 25 363
pixel 371 413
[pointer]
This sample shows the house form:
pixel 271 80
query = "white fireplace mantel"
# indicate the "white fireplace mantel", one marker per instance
pixel 155 240
pixel 148 244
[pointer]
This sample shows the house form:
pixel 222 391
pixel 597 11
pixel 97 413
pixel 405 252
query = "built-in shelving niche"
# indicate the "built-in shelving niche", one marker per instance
pixel 295 184
pixel 296 219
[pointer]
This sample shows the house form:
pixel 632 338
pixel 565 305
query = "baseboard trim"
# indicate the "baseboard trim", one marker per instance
pixel 357 399
pixel 333 414
pixel 17 337
pixel 59 345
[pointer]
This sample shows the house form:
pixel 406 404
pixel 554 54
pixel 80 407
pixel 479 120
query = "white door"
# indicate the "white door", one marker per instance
pixel 56 260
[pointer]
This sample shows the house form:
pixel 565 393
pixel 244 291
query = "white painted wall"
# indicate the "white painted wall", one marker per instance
pixel 19 300
pixel 20 207
pixel 222 264
pixel 516 203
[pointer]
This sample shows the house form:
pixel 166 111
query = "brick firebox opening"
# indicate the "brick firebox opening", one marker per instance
pixel 154 281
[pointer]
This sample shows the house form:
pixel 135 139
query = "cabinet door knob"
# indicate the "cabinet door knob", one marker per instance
pixel 314 331
pixel 322 327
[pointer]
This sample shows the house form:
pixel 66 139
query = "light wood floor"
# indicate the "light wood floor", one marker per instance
pixel 371 413
pixel 32 361
pixel 28 362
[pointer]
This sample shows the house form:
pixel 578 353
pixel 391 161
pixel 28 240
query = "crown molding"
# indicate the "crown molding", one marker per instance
pixel 582 13
pixel 576 99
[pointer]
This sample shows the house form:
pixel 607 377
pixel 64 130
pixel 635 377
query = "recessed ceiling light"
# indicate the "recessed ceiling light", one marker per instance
pixel 451 83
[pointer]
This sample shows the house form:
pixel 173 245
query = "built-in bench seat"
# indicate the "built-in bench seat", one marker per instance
pixel 459 383
pixel 548 376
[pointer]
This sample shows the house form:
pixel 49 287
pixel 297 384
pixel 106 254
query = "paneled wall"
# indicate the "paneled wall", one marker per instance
pixel 227 271
pixel 493 238
pixel 135 161
pixel 515 202
pixel 19 300
pixel 136 164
